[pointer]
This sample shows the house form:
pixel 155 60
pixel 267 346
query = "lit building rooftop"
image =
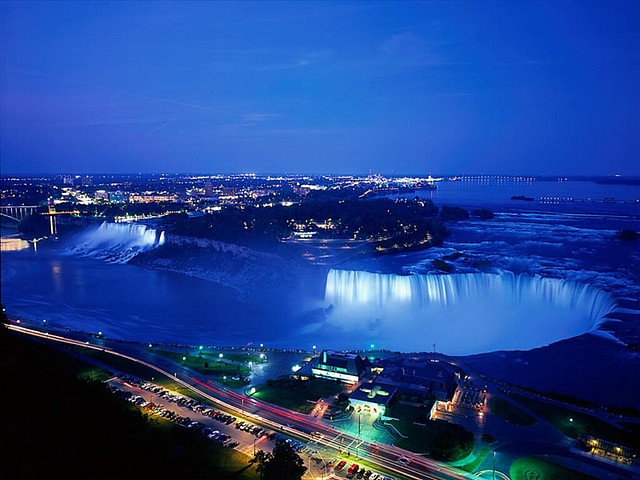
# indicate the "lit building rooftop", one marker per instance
pixel 344 367
pixel 372 398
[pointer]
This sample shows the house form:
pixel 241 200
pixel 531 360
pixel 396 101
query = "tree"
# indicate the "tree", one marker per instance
pixel 283 463
pixel 448 214
pixel 483 213
pixel 260 458
pixel 442 265
pixel 628 235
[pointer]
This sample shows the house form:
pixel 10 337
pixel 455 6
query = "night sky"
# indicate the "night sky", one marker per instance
pixel 320 87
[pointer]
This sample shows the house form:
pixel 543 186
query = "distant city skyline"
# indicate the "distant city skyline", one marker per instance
pixel 531 88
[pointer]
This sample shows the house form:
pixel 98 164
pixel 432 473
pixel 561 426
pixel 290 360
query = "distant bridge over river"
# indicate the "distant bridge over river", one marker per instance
pixel 18 213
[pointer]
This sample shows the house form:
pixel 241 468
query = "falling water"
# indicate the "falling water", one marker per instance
pixel 118 242
pixel 467 312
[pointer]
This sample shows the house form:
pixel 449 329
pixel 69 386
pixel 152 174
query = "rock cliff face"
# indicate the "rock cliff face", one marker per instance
pixel 244 269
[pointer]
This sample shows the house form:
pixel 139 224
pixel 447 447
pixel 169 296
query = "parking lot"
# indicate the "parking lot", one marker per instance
pixel 218 426
pixel 230 431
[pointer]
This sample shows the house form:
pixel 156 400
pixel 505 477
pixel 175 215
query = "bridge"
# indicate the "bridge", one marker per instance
pixel 19 212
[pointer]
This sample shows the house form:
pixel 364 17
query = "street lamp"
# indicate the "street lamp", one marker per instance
pixel 494 464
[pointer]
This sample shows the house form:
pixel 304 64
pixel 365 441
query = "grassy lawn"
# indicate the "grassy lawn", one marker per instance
pixel 510 412
pixel 573 423
pixel 239 357
pixel 471 466
pixel 488 438
pixel 243 357
pixel 94 374
pixel 528 468
pixel 233 462
pixel 439 439
pixel 231 383
pixel 293 394
pixel 119 364
pixel 204 364
pixel 135 369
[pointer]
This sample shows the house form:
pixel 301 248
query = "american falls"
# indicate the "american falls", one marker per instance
pixel 117 242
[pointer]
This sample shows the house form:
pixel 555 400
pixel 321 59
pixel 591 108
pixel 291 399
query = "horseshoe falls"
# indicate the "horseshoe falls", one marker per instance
pixel 462 313
pixel 117 242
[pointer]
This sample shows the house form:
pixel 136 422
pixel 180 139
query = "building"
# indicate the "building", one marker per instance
pixel 426 378
pixel 150 197
pixel 208 188
pixel 371 398
pixel 118 197
pixel 343 367
pixel 607 449
pixel 101 195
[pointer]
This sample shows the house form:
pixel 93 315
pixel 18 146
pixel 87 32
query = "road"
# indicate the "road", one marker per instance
pixel 394 460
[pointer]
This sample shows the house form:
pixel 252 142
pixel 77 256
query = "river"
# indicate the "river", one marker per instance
pixel 130 302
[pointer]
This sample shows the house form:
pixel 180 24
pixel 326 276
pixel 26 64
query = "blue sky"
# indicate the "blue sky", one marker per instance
pixel 392 87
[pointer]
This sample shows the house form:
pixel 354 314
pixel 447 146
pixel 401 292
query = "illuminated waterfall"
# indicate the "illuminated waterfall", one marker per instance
pixel 358 288
pixel 118 242
pixel 466 313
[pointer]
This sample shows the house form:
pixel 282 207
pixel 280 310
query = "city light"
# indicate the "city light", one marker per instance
pixel 525 264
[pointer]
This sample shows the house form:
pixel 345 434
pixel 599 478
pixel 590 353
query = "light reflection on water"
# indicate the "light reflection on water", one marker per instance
pixel 13 244
pixel 130 302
